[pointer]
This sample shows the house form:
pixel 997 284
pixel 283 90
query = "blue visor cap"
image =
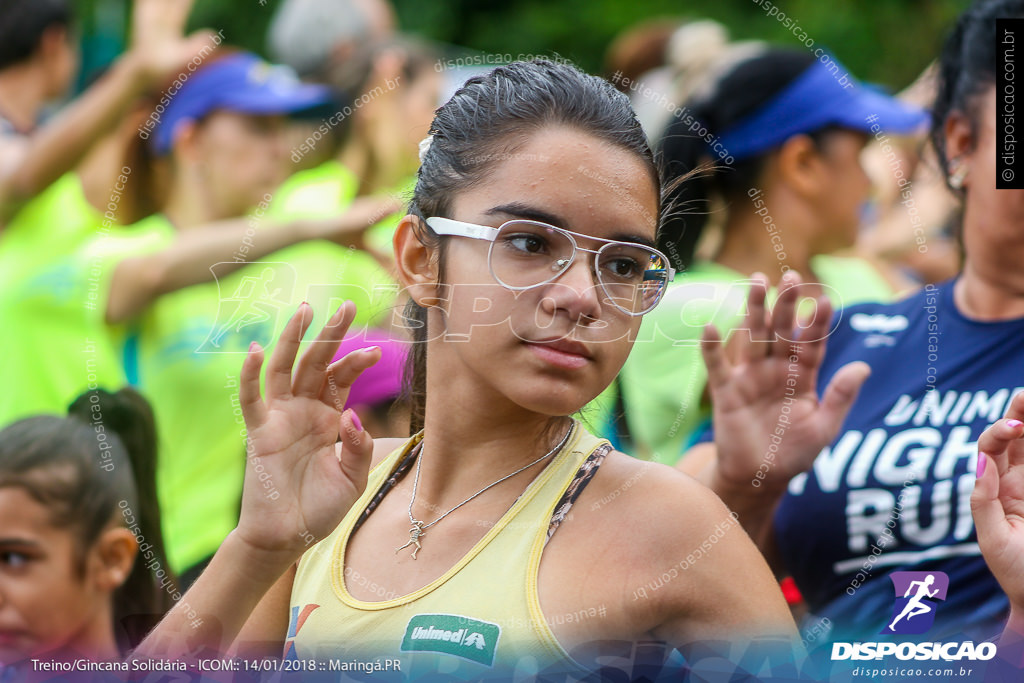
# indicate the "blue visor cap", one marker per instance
pixel 242 83
pixel 819 97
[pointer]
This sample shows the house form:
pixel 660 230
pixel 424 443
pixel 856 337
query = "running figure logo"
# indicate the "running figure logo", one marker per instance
pixel 251 311
pixel 916 596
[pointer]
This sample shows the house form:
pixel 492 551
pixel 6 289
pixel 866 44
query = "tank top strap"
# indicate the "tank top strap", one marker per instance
pixel 584 474
pixel 405 455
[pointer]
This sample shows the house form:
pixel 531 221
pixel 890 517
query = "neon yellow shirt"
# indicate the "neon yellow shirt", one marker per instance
pixel 327 190
pixel 185 352
pixel 664 378
pixel 481 619
pixel 315 192
pixel 55 344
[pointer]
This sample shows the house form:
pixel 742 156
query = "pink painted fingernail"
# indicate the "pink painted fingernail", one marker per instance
pixel 355 420
pixel 982 461
pixel 368 349
pixel 1013 423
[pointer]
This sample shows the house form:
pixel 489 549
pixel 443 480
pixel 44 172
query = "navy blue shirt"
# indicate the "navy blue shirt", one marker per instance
pixel 892 493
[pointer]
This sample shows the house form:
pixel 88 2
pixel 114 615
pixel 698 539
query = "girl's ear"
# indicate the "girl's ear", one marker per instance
pixel 417 264
pixel 799 164
pixel 113 556
pixel 959 135
pixel 187 139
pixel 959 144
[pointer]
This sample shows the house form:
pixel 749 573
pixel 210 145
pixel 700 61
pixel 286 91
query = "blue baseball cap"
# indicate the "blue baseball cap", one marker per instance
pixel 823 95
pixel 241 83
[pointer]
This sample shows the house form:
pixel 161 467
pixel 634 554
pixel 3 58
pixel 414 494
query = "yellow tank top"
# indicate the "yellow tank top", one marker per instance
pixel 481 619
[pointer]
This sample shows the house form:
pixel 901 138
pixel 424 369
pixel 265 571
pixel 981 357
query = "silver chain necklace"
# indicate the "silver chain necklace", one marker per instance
pixel 419 527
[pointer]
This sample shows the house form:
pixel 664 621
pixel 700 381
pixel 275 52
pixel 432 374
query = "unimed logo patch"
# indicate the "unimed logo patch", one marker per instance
pixel 917 595
pixel 452 634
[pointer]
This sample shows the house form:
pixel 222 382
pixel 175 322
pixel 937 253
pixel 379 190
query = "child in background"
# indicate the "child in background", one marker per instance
pixel 77 501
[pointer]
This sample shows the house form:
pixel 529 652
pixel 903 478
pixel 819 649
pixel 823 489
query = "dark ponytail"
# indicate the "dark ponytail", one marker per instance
pixel 487 119
pixel 736 95
pixel 967 66
pixel 93 469
pixel 126 413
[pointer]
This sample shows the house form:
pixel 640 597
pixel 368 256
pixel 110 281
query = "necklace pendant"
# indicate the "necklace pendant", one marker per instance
pixel 415 533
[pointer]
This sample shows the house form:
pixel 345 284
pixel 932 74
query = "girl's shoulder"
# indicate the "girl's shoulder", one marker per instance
pixel 672 505
pixel 641 522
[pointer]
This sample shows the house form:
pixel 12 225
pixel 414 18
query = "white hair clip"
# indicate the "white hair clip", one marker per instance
pixel 425 146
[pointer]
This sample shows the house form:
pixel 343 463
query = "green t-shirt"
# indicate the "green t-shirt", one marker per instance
pixel 55 344
pixel 315 192
pixel 664 378
pixel 187 350
pixel 327 190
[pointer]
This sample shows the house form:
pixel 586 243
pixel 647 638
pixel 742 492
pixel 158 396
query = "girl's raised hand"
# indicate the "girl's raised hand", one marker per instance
pixel 769 424
pixel 299 481
pixel 998 503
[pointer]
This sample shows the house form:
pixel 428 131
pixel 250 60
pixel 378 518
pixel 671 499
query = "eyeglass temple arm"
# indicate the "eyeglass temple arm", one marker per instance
pixel 446 226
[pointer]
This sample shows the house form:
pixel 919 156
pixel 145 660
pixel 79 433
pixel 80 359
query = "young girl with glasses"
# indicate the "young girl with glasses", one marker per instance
pixel 500 539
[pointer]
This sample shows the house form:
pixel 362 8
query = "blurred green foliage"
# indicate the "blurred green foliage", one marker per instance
pixel 885 41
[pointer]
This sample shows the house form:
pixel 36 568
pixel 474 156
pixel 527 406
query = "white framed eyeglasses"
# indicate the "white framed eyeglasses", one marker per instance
pixel 524 254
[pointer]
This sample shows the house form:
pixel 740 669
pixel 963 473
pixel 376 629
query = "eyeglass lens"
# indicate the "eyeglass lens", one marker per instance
pixel 526 254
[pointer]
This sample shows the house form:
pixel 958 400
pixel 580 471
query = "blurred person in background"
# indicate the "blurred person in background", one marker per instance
pixel 874 474
pixel 82 566
pixel 187 288
pixel 63 312
pixel 312 36
pixel 38 62
pixel 777 141
pixel 391 88
pixel 638 50
pixel 683 61
pixel 692 55
pixel 62 183
pixel 912 222
pixel 397 87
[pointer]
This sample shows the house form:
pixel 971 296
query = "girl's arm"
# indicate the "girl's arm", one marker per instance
pixel 264 633
pixel 292 437
pixel 138 281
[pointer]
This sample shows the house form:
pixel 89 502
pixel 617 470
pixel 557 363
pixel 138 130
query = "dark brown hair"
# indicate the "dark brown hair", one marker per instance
pixel 486 119
pixel 967 67
pixel 87 468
